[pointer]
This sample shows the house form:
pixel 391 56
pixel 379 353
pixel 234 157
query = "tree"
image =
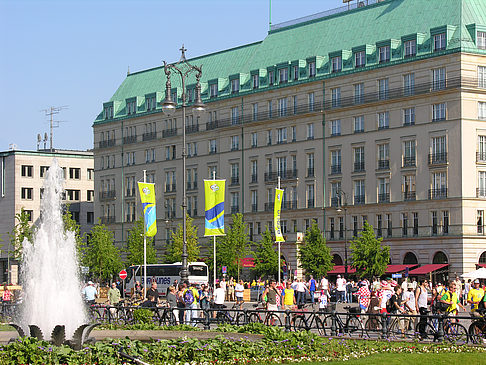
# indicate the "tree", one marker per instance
pixel 266 256
pixel 135 245
pixel 232 247
pixel 70 225
pixel 22 231
pixel 101 255
pixel 314 255
pixel 369 256
pixel 174 248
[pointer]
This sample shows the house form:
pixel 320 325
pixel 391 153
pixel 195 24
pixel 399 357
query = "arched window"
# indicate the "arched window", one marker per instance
pixel 440 258
pixel 410 259
pixel 337 260
pixel 482 258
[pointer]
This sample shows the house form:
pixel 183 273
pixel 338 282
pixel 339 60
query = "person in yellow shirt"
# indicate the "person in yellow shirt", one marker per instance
pixel 288 297
pixel 474 297
pixel 190 296
pixel 450 297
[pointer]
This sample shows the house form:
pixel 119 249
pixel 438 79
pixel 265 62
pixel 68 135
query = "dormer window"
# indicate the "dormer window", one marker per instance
pixel 410 48
pixel 174 96
pixel 150 103
pixel 213 90
pixel 336 64
pixel 283 75
pixel 255 81
pixel 235 86
pixel 271 77
pixel 359 59
pixel 384 54
pixel 312 69
pixel 296 72
pixel 439 42
pixel 131 107
pixel 481 40
pixel 108 112
pixel 190 95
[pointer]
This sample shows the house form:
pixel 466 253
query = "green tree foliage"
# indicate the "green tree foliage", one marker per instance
pixel 369 256
pixel 102 256
pixel 135 246
pixel 266 256
pixel 174 248
pixel 21 231
pixel 314 255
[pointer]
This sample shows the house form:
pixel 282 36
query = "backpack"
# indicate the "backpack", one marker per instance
pixel 437 304
pixel 188 297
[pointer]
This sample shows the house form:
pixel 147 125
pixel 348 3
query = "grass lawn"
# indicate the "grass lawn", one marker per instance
pixel 6 327
pixel 422 359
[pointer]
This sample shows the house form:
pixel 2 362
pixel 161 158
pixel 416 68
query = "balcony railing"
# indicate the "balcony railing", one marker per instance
pixel 359 199
pixel 235 209
pixel 284 175
pixel 480 156
pixel 191 185
pixel 170 188
pixel 409 195
pixel 170 132
pixel 335 202
pixel 480 193
pixel 269 206
pixel 310 203
pixel 437 158
pixel 108 195
pixel 335 169
pixel 383 197
pixel 289 205
pixel 192 128
pixel 129 139
pixel 438 193
pixel 149 136
pixel 254 178
pixel 310 172
pixel 383 164
pixel 107 143
pixel 359 166
pixel 409 161
pixel 235 180
pixel 130 192
pixel 254 207
pixel 107 220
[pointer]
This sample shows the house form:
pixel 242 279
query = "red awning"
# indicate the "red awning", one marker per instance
pixel 248 262
pixel 482 265
pixel 392 269
pixel 339 269
pixel 422 270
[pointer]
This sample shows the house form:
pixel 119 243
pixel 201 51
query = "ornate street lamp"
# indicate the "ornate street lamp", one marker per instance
pixel 183 69
pixel 340 208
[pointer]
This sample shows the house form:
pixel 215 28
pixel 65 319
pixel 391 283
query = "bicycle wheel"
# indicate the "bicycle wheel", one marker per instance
pixel 240 319
pixel 223 318
pixel 354 327
pixel 373 327
pixel 254 318
pixel 300 324
pixel 427 334
pixel 321 329
pixel 477 332
pixel 455 333
pixel 273 320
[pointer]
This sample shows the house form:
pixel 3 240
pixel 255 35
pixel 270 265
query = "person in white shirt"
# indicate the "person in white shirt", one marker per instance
pixel 300 289
pixel 218 298
pixel 408 298
pixel 341 289
pixel 239 290
pixel 325 285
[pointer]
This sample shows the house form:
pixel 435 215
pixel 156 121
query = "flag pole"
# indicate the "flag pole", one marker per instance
pixel 144 244
pixel 214 250
pixel 278 243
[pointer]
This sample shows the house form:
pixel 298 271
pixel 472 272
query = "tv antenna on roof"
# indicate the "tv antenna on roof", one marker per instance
pixel 53 123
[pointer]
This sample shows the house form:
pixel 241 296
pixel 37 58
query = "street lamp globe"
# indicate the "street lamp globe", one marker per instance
pixel 168 107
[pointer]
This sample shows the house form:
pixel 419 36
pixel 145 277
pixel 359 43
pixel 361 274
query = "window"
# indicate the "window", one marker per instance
pixel 439 185
pixel 481 184
pixel 296 72
pixel 150 103
pixel 383 120
pixel 409 116
pixel 445 222
pixel 439 42
pixel 282 107
pixel 295 103
pixel 254 139
pixel 213 90
pixel 235 115
pixel 283 75
pixel 72 195
pixel 439 150
pixel 409 153
pixel 235 143
pixel 281 166
pixel 336 97
pixel 131 107
pixel 384 54
pixel 360 59
pixel 310 196
pixel 359 192
pixel 481 40
pixel 336 127
pixel 269 137
pixel 409 84
pixel 235 202
pixel 26 193
pixel 355 225
pixel 359 159
pixel 312 69
pixel 481 110
pixel 271 78
pixel 336 64
pixel 336 162
pixel 438 112
pixel 383 189
pixel 235 173
pixel 331 228
pixel 213 146
pixel 293 132
pixel 108 112
pixel 170 181
pixel 43 170
pixel 254 171
pixel 383 89
pixel 384 156
pixel 310 131
pixel 27 170
pixel 404 224
pixel 358 93
pixel 379 225
pixel 410 48
pixel 359 124
pixel 480 221
pixel 482 77
pixel 270 109
pixel 341 227
pixel 281 135
pixel 254 108
pixel 255 80
pixel 435 223
pixel 311 100
pixel 90 195
pixel 212 172
pixel 235 86
pixel 90 174
pixel 254 200
pixel 481 148
pixel 89 217
pixel 310 165
pixel 439 78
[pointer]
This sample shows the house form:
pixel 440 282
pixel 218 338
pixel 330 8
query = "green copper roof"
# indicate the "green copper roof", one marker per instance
pixel 366 27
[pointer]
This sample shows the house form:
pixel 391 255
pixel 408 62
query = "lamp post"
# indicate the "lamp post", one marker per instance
pixel 183 69
pixel 340 208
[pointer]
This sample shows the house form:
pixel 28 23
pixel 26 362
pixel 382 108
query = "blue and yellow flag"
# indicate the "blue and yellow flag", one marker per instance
pixel 147 195
pixel 214 207
pixel 276 215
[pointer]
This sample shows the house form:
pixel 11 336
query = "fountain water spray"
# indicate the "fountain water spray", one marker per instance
pixel 50 268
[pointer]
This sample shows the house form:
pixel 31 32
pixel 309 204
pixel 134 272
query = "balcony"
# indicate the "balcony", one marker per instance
pixel 359 166
pixel 409 195
pixel 254 178
pixel 480 156
pixel 129 139
pixel 409 161
pixel 440 193
pixel 169 214
pixel 289 205
pixel 108 195
pixel 235 180
pixel 130 192
pixel 310 172
pixel 310 203
pixel 235 209
pixel 335 202
pixel 191 185
pixel 107 143
pixel 383 164
pixel 192 128
pixel 107 220
pixel 284 175
pixel 254 208
pixel 437 158
pixel 170 132
pixel 213 150
pixel 149 136
pixel 170 188
pixel 269 206
pixel 335 169
pixel 480 193
pixel 359 199
pixel 384 198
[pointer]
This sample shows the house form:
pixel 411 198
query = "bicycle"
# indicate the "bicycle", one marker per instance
pixel 313 320
pixel 230 316
pixel 269 318
pixel 353 326
pixel 454 332
pixel 395 330
pixel 477 329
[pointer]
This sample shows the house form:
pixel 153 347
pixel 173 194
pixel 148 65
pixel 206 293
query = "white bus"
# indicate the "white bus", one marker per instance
pixel 165 275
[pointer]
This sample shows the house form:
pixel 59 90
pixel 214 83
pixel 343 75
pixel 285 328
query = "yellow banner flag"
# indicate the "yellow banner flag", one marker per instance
pixel 214 207
pixel 276 215
pixel 147 196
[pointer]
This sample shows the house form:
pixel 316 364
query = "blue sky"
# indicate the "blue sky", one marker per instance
pixel 76 53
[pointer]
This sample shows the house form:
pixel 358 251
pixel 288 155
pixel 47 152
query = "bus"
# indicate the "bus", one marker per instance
pixel 165 275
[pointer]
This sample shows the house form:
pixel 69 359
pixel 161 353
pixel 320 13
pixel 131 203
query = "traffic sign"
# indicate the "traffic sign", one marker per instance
pixel 396 276
pixel 225 269
pixel 123 274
